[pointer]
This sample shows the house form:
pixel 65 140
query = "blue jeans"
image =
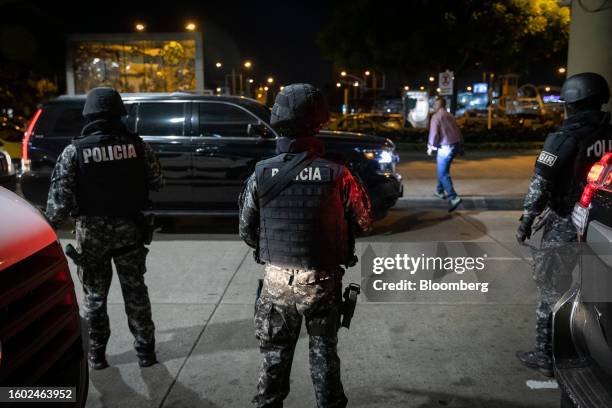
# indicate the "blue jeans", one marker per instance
pixel 444 158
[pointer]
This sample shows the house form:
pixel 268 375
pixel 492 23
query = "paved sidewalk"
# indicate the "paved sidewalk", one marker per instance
pixel 485 180
pixel 425 353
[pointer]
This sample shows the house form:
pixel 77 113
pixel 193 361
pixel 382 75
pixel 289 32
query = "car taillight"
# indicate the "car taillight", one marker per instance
pixel 25 160
pixel 595 172
pixel 587 195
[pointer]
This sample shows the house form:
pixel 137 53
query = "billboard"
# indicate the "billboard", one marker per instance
pixel 136 62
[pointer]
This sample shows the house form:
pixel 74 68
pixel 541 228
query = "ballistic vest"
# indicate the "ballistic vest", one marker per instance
pixel 111 177
pixel 304 227
pixel 568 155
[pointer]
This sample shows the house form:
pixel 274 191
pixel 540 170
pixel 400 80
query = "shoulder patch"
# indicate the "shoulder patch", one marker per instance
pixel 546 158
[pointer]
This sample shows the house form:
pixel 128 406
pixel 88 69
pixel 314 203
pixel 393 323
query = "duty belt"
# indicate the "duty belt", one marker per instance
pixel 299 276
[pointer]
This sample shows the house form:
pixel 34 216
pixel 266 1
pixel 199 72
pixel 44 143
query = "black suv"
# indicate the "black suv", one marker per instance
pixel 582 324
pixel 207 145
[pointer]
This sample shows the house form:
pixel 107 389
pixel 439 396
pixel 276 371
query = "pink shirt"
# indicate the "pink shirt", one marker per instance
pixel 443 129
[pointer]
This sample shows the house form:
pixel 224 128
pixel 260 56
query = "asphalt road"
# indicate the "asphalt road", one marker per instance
pixel 432 350
pixel 480 173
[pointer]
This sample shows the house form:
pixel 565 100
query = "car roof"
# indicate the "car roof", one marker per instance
pixel 160 96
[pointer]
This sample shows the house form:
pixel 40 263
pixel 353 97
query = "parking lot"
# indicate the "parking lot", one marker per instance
pixel 427 352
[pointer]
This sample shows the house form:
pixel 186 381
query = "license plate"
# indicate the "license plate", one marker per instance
pixel 580 216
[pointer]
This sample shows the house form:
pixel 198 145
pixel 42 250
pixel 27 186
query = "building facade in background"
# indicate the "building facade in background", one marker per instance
pixel 136 62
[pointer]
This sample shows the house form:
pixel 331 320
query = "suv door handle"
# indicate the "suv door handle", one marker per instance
pixel 206 150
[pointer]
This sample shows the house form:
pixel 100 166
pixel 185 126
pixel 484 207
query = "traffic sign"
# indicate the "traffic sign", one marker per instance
pixel 445 82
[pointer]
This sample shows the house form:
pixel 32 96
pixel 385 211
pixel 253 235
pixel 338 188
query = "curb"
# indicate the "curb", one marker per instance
pixel 477 203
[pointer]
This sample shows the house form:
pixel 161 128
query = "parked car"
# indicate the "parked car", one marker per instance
pixel 207 146
pixel 383 125
pixel 582 324
pixel 11 132
pixel 40 328
pixel 8 177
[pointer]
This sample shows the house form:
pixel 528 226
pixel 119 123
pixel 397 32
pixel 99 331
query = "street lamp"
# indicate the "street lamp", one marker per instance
pixel 356 83
pixel 561 70
pixel 250 80
pixel 218 65
pixel 338 84
pixel 406 88
pixel 266 88
pixel 469 88
pixel 367 73
pixel 281 88
pixel 248 64
pixel 140 27
pixel 431 78
pixel 343 73
pixel 190 26
pixel 218 90
pixel 270 80
pixel 422 88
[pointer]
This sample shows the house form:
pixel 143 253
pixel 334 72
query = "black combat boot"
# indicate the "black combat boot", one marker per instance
pixel 97 359
pixel 147 360
pixel 537 361
pixel 146 354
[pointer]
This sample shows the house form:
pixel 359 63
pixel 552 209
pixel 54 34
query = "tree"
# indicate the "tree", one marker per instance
pixel 433 35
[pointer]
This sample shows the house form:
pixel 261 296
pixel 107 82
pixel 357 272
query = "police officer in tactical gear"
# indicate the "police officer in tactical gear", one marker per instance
pixel 102 179
pixel 559 177
pixel 298 210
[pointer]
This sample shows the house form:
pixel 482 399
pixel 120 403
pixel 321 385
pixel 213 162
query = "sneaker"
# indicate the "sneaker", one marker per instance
pixel 454 203
pixel 441 195
pixel 97 360
pixel 535 361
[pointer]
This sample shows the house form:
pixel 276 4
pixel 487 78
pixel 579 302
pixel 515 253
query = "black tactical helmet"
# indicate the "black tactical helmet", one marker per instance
pixel 299 108
pixel 104 101
pixel 587 85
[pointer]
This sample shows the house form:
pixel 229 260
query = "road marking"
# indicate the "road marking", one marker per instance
pixel 542 385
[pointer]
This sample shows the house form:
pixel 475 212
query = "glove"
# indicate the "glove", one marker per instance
pixel 524 230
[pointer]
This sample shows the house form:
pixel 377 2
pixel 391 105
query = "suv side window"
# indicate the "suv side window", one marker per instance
pixel 61 120
pixel 223 120
pixel 161 119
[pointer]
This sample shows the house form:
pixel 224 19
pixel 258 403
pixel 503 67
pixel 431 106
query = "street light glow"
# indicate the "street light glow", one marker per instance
pixel 406 88
pixel 190 27
pixel 431 79
pixel 422 88
pixel 367 73
pixel 270 80
pixel 219 90
pixel 469 88
pixel 140 27
pixel 561 70
pixel 438 90
pixel 248 64
pixel 266 88
pixel 218 65
pixel 250 80
pixel 338 84
pixel 281 88
pixel 355 83
pixel 547 89
pixel 343 73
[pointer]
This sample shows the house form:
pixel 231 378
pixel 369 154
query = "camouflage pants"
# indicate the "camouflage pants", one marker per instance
pixel 100 240
pixel 553 266
pixel 289 295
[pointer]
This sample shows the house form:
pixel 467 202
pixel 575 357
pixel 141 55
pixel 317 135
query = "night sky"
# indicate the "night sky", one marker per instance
pixel 279 37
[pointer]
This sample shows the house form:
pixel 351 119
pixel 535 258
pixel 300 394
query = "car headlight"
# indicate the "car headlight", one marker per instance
pixel 386 159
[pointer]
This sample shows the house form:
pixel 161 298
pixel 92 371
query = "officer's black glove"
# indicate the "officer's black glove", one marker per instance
pixel 524 230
